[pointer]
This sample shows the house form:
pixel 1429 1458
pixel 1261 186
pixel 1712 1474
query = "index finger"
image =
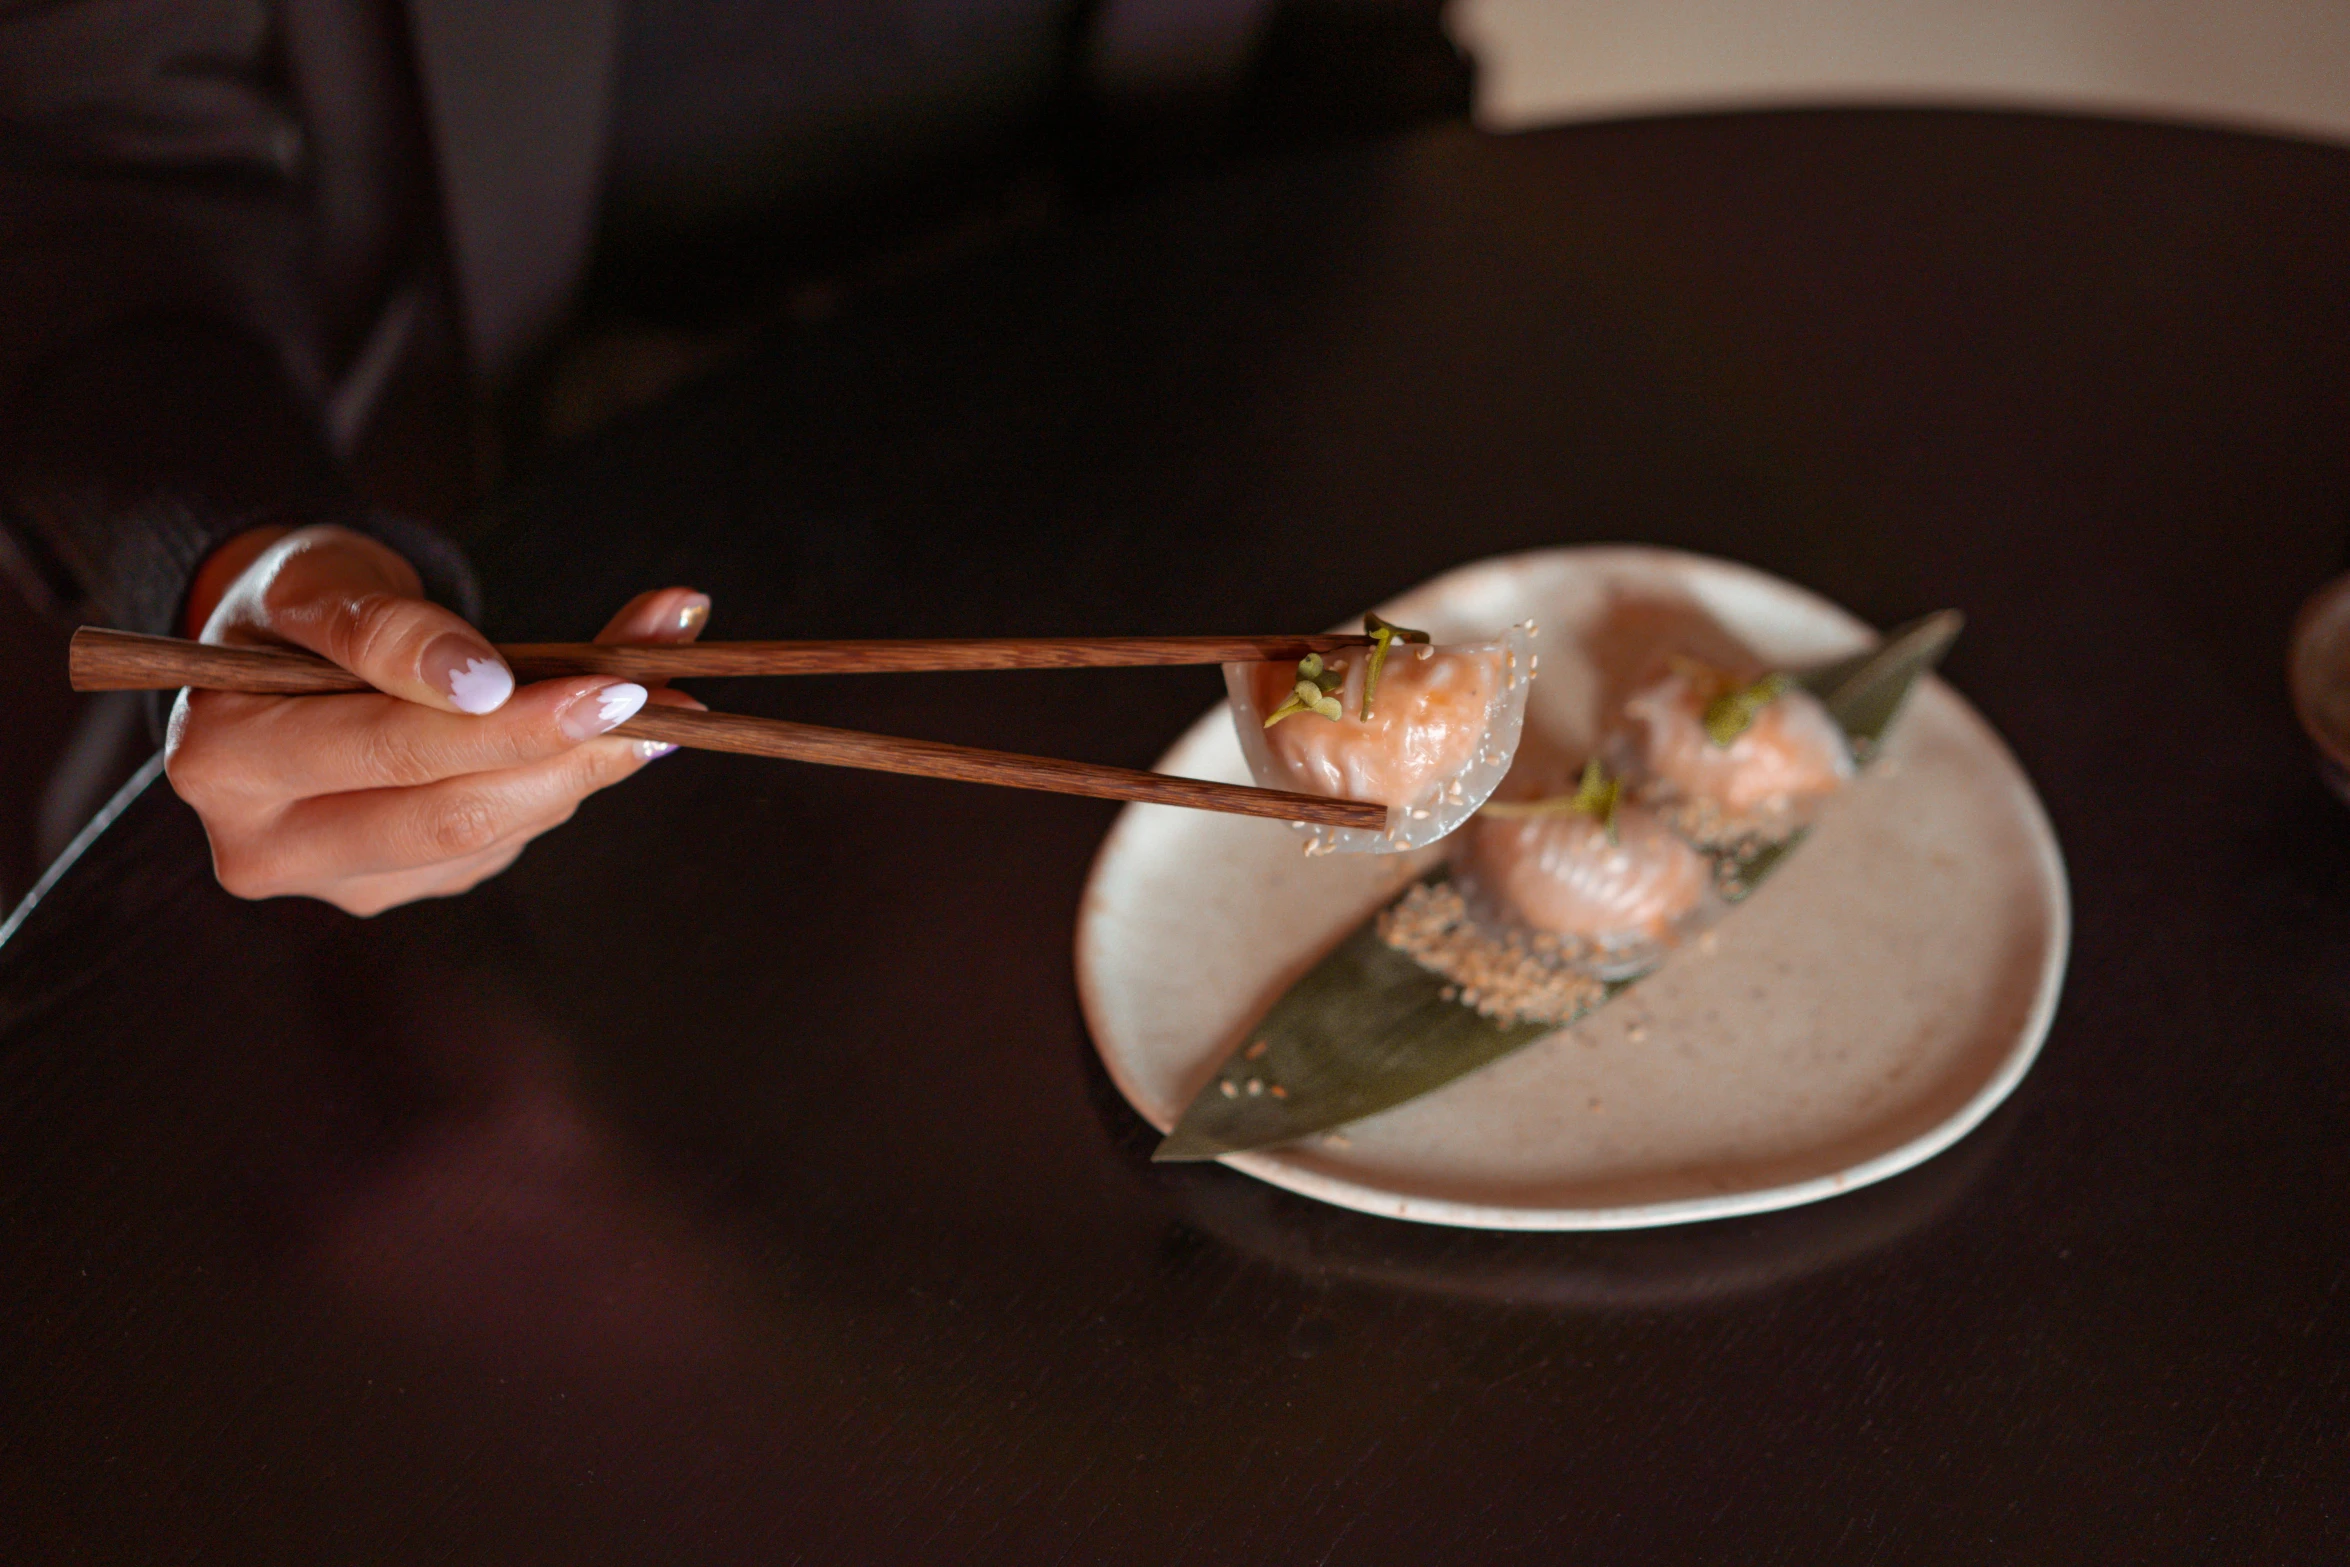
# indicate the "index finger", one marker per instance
pixel 233 747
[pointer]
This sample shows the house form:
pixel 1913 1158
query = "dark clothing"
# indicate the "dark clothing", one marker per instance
pixel 228 226
pixel 268 260
pixel 214 225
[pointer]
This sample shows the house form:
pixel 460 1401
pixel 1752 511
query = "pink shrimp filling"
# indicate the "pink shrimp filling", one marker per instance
pixel 1792 752
pixel 1561 874
pixel 1425 726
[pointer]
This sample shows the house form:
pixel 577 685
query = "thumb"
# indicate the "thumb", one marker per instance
pixel 347 598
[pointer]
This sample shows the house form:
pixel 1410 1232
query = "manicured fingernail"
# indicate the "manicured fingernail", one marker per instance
pixel 472 675
pixel 654 750
pixel 691 614
pixel 606 707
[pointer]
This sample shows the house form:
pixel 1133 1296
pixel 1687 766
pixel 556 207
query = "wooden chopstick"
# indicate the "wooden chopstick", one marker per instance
pixel 935 759
pixel 106 660
pixel 125 661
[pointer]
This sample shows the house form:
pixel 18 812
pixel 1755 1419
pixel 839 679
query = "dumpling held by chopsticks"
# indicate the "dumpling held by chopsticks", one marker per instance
pixel 1426 731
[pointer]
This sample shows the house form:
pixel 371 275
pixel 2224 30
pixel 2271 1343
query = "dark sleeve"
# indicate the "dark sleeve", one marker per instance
pixel 173 333
pixel 135 453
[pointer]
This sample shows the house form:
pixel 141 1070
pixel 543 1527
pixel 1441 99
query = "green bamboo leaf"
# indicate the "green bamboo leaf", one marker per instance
pixel 1864 693
pixel 1367 1028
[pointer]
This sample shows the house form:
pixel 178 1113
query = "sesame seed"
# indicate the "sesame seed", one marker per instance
pixel 1230 1092
pixel 1257 1050
pixel 1739 837
pixel 1256 1086
pixel 1279 1092
pixel 1502 976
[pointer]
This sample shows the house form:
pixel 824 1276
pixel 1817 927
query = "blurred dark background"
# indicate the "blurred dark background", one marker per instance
pixel 478 230
pixel 626 196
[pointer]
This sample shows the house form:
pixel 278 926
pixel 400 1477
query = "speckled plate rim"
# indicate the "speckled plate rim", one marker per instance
pixel 1391 1202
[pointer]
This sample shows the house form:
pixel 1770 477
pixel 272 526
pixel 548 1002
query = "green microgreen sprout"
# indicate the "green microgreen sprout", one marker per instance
pixel 1315 692
pixel 1596 796
pixel 1732 713
pixel 1384 635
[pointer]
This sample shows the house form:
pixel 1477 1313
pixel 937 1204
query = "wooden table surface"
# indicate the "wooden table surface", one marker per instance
pixel 734 1180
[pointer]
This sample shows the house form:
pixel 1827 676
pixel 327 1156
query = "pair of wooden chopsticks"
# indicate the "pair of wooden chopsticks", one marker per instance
pixel 105 660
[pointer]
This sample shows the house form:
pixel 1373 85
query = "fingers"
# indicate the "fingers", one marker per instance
pixel 230 750
pixel 423 788
pixel 348 849
pixel 367 896
pixel 371 850
pixel 663 615
pixel 439 833
pixel 356 602
pixel 318 843
pixel 652 750
pixel 266 750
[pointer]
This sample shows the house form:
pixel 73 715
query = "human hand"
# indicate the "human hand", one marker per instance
pixel 428 785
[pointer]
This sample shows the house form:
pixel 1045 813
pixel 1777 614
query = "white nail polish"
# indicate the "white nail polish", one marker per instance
pixel 482 686
pixel 619 703
pixel 592 713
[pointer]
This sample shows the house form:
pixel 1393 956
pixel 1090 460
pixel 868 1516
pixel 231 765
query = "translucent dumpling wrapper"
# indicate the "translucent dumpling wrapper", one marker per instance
pixel 1442 732
pixel 1730 759
pixel 1611 892
pixel 1426 991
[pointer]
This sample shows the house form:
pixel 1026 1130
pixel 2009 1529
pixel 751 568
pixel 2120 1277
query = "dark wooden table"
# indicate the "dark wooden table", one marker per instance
pixel 734 1181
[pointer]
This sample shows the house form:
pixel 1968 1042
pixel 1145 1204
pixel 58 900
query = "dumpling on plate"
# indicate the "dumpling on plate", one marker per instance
pixel 1551 899
pixel 1616 888
pixel 1749 756
pixel 1426 731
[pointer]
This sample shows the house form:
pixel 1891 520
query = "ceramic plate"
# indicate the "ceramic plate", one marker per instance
pixel 1872 1002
